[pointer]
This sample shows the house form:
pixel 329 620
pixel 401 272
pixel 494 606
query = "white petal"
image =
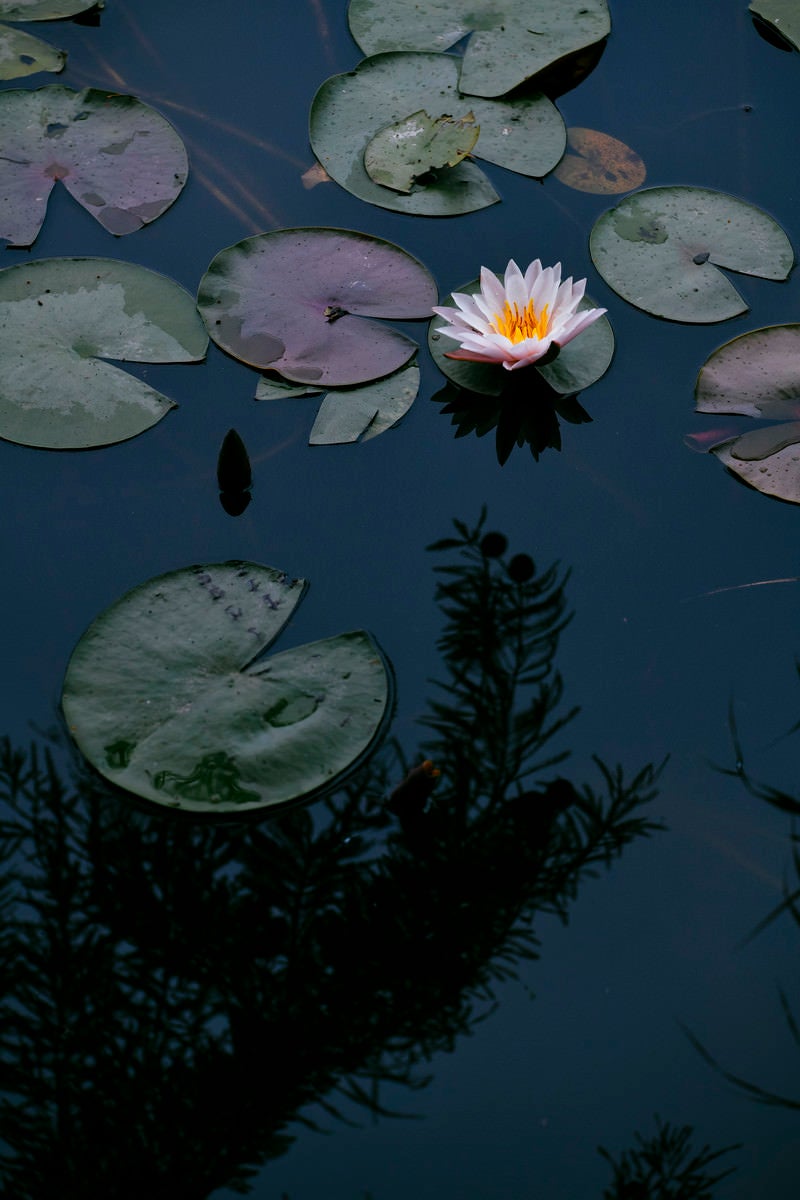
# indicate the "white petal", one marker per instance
pixel 516 291
pixel 492 290
pixel 532 274
pixel 577 325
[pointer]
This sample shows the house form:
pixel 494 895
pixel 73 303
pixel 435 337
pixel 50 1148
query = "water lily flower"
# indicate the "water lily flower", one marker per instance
pixel 517 321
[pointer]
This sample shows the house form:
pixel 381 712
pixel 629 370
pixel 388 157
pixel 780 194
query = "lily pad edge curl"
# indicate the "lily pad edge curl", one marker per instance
pixel 169 696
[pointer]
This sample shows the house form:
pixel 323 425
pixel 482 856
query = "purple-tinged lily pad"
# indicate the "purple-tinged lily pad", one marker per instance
pixel 300 302
pixel 121 160
pixel 758 375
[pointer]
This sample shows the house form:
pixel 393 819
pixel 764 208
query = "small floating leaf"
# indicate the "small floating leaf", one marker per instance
pixel 508 43
pixel 300 302
pixel 163 693
pixel 577 365
pixel 782 15
pixel 42 10
pixel 350 414
pixel 58 318
pixel 525 134
pixel 121 160
pixel 22 54
pixel 661 250
pixel 758 375
pixel 401 152
pixel 600 164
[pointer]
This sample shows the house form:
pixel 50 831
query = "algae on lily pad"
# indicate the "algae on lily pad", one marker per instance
pixel 508 43
pixel 404 150
pixel 526 134
pixel 58 318
pixel 167 694
pixel 119 158
pixel 598 163
pixel 661 249
pixel 758 375
pixel 782 15
pixel 303 301
pixel 577 365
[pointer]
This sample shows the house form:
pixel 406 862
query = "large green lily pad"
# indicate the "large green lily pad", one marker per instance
pixel 508 42
pixel 525 135
pixel 577 365
pixel 783 15
pixel 166 695
pixel 58 317
pixel 301 302
pixel 662 248
pixel 121 160
pixel 758 375
pixel 22 54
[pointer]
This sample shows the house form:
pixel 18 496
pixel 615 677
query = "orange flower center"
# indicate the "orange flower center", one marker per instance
pixel 517 326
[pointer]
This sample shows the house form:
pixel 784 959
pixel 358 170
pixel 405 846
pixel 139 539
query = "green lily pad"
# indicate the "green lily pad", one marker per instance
pixel 508 42
pixel 121 160
pixel 758 375
pixel 299 301
pixel 280 389
pixel 661 250
pixel 58 317
pixel 167 696
pixel 352 414
pixel 783 15
pixel 577 365
pixel 525 135
pixel 22 54
pixel 42 10
pixel 404 150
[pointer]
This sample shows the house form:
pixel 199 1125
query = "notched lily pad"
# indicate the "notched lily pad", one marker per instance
pixel 120 159
pixel 525 134
pixel 661 250
pixel 58 318
pixel 22 54
pixel 404 150
pixel 577 365
pixel 302 301
pixel 600 164
pixel 167 696
pixel 782 15
pixel 508 43
pixel 757 375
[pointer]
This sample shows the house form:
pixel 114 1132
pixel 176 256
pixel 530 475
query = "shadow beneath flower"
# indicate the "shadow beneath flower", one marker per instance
pixel 526 412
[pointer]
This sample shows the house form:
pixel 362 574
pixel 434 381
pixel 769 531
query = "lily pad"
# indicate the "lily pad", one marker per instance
pixel 167 696
pixel 757 375
pixel 525 135
pixel 401 152
pixel 783 15
pixel 577 365
pixel 508 43
pixel 599 164
pixel 300 302
pixel 58 317
pixel 352 414
pixel 121 160
pixel 42 10
pixel 661 250
pixel 22 54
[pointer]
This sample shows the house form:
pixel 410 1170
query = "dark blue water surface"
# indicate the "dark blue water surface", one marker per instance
pixel 588 1046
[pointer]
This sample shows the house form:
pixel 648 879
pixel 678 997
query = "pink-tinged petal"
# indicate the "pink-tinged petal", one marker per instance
pixel 472 356
pixel 545 289
pixel 531 275
pixel 580 322
pixel 515 291
pixel 492 290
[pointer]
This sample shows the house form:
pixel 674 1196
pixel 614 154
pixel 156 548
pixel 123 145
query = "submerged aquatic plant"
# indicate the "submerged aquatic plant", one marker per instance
pixel 516 322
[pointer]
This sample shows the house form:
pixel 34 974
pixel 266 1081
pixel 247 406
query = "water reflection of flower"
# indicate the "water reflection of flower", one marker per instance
pixel 516 322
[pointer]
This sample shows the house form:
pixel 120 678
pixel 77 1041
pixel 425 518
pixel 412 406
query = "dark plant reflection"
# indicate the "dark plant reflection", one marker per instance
pixel 526 413
pixel 664 1167
pixel 176 994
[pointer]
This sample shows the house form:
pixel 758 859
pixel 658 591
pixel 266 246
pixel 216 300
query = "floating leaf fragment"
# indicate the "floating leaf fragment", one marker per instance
pixel 22 54
pixel 525 134
pixel 301 302
pixel 782 15
pixel 508 44
pixel 42 10
pixel 758 375
pixel 404 150
pixel 598 163
pixel 58 318
pixel 355 413
pixel 120 159
pixel 167 695
pixel 661 250
pixel 314 175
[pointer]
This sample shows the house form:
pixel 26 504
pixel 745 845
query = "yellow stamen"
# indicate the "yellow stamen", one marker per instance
pixel 517 326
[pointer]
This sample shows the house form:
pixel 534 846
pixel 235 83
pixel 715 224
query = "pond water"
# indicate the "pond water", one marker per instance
pixel 684 589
